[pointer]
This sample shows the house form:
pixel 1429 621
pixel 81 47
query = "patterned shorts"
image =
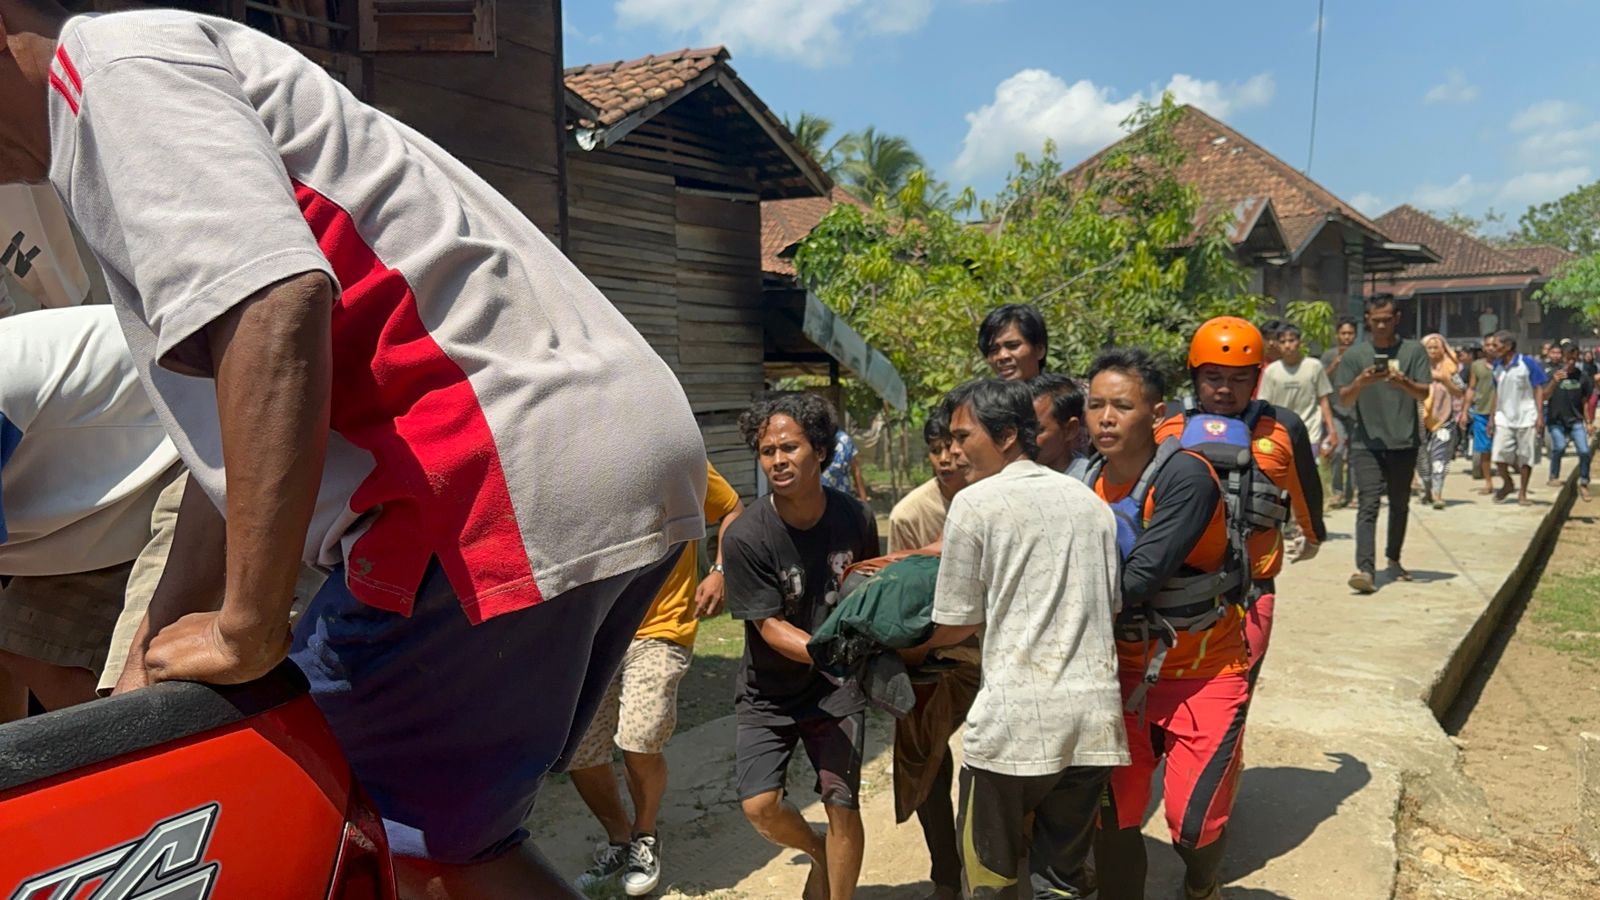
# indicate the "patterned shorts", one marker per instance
pixel 640 708
pixel 65 620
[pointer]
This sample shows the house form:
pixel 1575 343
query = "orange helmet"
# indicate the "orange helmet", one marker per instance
pixel 1226 341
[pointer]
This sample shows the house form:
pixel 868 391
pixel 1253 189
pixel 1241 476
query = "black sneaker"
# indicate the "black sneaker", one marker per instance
pixel 609 860
pixel 644 866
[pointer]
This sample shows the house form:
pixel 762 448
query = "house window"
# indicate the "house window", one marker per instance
pixel 427 26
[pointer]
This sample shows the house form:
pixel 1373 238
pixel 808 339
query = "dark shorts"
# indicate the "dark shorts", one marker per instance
pixel 451 727
pixel 834 746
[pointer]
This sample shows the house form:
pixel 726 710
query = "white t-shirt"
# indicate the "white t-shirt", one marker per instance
pixel 1300 390
pixel 1031 555
pixel 489 407
pixel 1516 405
pixel 39 251
pixel 82 453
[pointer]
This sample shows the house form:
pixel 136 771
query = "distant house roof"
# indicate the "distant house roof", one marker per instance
pixel 607 101
pixel 1234 173
pixel 1459 253
pixel 1466 262
pixel 785 223
pixel 1544 257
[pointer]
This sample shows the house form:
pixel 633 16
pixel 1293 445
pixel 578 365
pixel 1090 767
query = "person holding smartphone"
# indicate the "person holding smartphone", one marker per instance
pixel 1381 379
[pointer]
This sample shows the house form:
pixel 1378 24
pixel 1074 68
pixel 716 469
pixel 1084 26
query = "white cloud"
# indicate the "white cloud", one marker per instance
pixel 1545 114
pixel 1034 106
pixel 1455 89
pixel 573 34
pixel 1456 194
pixel 1555 134
pixel 1367 202
pixel 1530 188
pixel 896 16
pixel 1560 147
pixel 815 32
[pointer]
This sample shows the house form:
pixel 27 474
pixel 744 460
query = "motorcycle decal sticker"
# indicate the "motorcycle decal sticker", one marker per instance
pixel 167 863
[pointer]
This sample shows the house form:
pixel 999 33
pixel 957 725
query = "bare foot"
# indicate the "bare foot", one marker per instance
pixel 1554 482
pixel 1583 491
pixel 1504 492
pixel 817 881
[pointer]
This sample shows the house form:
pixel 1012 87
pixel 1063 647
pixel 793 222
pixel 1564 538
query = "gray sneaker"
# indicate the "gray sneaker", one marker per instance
pixel 609 860
pixel 644 866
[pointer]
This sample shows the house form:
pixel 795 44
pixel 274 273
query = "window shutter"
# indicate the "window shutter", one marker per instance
pixel 427 26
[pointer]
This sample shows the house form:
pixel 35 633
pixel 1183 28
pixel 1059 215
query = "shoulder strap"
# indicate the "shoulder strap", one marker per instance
pixel 1165 451
pixel 1090 474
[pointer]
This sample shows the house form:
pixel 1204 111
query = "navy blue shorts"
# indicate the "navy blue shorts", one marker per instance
pixel 450 727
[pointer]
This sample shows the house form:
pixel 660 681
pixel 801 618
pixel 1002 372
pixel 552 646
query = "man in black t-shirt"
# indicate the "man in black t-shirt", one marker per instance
pixel 785 559
pixel 1567 415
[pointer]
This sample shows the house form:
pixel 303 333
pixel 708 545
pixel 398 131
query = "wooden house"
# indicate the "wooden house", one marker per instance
pixel 1473 284
pixel 669 161
pixel 1299 241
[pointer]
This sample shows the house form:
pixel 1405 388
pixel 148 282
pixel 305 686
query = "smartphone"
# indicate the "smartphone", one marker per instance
pixel 1380 363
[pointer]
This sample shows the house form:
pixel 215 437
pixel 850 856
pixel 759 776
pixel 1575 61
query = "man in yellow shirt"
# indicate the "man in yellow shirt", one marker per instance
pixel 640 710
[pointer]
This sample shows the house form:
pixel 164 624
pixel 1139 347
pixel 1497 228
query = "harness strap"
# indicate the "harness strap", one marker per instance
pixel 1154 658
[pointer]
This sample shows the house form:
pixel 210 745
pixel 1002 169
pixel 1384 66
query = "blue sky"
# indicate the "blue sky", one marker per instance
pixel 1446 105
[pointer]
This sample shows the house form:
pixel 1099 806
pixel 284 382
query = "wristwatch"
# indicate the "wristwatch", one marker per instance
pixel 717 568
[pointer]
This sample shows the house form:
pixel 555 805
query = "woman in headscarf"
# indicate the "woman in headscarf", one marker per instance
pixel 1439 412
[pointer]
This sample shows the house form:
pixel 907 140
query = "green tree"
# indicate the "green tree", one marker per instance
pixel 1119 255
pixel 1315 319
pixel 1572 222
pixel 811 133
pixel 1473 225
pixel 1576 286
pixel 873 164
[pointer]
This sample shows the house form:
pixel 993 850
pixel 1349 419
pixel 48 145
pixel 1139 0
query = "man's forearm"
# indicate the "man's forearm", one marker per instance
pixel 1349 393
pixel 192 575
pixel 273 373
pixel 789 641
pixel 949 635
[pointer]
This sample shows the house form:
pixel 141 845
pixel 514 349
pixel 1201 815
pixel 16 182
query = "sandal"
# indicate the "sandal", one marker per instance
pixel 1398 571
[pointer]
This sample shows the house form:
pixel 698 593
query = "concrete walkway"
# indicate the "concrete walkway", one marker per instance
pixel 1340 719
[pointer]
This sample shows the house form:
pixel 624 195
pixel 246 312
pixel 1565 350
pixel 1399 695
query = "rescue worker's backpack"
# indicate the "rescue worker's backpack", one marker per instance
pixel 1251 502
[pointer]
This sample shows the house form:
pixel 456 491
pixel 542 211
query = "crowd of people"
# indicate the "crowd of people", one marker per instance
pixel 292 434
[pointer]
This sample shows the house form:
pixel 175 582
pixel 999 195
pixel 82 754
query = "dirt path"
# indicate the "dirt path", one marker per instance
pixel 1517 726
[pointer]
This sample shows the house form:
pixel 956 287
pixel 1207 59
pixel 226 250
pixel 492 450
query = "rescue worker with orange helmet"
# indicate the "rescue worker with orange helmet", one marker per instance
pixel 1191 711
pixel 1226 358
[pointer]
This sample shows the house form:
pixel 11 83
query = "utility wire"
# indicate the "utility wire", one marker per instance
pixel 1316 86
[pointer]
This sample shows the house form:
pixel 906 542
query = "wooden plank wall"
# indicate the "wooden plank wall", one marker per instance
pixel 501 114
pixel 671 233
pixel 719 323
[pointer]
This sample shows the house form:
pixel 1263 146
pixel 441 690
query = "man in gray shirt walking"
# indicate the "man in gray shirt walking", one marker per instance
pixel 1030 557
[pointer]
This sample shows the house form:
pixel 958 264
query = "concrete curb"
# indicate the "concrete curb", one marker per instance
pixel 1588 834
pixel 1442 694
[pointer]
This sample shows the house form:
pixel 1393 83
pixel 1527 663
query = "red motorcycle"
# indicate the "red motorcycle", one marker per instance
pixel 186 792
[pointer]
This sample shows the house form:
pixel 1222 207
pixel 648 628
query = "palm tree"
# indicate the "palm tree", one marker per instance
pixel 811 133
pixel 872 163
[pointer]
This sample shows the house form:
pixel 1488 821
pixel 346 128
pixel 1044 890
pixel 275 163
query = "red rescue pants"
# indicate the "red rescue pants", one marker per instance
pixel 1197 726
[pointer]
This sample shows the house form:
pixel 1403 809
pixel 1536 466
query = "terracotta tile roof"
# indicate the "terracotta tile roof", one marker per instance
pixel 1544 257
pixel 616 89
pixel 1230 170
pixel 1460 254
pixel 785 222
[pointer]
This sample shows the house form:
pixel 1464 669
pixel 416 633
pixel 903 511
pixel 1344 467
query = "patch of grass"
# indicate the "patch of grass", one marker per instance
pixel 722 637
pixel 1566 611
